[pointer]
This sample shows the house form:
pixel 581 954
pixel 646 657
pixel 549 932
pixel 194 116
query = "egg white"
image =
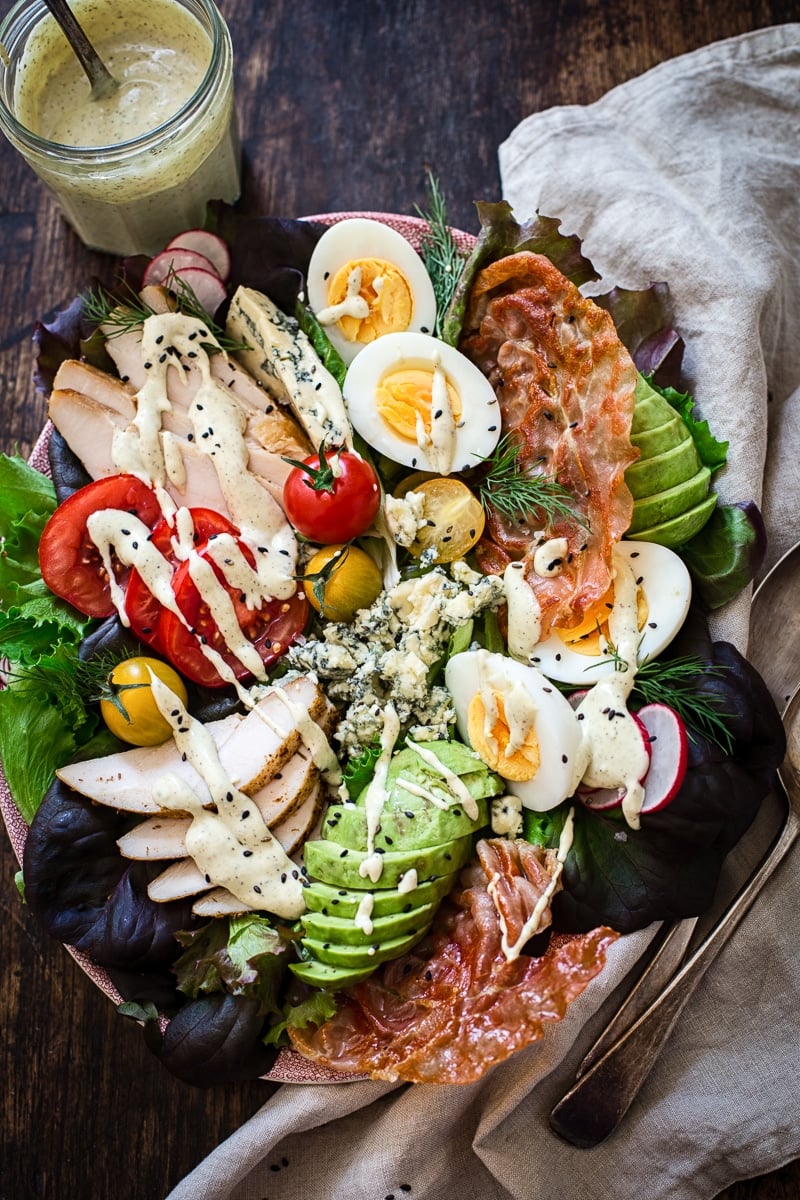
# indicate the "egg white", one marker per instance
pixel 557 728
pixel 478 430
pixel 362 238
pixel 667 587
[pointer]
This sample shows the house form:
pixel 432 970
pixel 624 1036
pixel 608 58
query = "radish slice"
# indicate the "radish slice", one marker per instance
pixel 168 262
pixel 603 799
pixel 206 285
pixel 669 749
pixel 208 244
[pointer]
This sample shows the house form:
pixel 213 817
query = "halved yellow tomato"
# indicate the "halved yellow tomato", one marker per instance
pixel 340 580
pixel 454 519
pixel 130 710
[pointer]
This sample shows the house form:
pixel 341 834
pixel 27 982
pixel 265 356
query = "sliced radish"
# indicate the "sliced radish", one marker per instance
pixel 206 285
pixel 209 245
pixel 169 262
pixel 668 755
pixel 603 799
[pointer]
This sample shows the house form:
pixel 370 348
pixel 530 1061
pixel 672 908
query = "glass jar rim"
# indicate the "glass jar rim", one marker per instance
pixel 116 151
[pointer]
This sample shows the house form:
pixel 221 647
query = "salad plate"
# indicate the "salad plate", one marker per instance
pixel 573 837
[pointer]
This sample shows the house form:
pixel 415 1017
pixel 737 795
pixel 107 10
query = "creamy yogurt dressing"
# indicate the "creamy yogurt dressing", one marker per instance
pixel 524 613
pixel 612 740
pixel 218 423
pixel 440 443
pixel 120 199
pixel 232 846
pixel 375 799
pixel 353 305
pixel 533 923
pixel 519 708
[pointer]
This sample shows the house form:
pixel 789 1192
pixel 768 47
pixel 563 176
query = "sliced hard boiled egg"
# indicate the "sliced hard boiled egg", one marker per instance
pixel 519 724
pixel 422 403
pixel 364 281
pixel 583 655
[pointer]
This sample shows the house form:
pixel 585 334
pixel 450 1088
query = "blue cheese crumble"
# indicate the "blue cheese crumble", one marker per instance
pixel 389 650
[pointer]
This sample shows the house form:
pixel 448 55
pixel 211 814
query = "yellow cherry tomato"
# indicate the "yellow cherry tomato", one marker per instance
pixel 130 710
pixel 340 580
pixel 454 519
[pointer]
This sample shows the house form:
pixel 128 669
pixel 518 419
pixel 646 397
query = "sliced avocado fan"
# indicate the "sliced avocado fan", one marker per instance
pixel 353 922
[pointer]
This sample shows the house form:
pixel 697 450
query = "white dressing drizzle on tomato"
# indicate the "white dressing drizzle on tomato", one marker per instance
pixel 612 740
pixel 232 846
pixel 146 450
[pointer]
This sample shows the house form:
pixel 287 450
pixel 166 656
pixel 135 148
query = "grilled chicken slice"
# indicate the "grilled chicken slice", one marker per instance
pixel 251 752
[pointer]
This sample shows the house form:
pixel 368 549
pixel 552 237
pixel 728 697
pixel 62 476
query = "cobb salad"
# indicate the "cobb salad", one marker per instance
pixel 359 685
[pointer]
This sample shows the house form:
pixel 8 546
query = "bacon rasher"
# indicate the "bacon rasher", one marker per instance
pixel 565 385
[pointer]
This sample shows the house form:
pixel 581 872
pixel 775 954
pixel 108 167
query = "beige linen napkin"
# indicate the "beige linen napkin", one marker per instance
pixel 689 174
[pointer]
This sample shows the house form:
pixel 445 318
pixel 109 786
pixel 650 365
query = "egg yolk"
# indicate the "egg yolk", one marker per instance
pixel 405 394
pixel 493 745
pixel 385 291
pixel 589 637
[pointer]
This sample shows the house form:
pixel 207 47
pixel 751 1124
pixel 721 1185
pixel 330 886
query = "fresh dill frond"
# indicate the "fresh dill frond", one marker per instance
pixel 443 260
pixel 516 494
pixel 673 682
pixel 128 311
pixel 86 678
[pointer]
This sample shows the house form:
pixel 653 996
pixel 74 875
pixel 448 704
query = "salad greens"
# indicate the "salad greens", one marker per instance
pixel 40 727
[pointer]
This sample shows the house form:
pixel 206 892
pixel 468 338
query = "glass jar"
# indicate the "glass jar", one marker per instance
pixel 131 195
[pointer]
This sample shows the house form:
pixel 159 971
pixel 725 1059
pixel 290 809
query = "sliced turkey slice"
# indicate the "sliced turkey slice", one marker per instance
pixel 219 902
pixel 251 752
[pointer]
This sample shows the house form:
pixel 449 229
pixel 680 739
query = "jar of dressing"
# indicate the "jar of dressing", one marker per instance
pixel 132 170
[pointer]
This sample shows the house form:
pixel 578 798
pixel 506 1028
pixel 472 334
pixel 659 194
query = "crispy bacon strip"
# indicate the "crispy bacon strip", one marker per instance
pixel 454 1006
pixel 565 385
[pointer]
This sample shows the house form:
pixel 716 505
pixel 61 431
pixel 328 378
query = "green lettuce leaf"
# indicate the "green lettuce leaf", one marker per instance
pixel 713 453
pixel 318 1007
pixel 241 956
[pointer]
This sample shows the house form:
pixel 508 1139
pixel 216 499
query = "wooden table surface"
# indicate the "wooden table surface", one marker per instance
pixel 342 106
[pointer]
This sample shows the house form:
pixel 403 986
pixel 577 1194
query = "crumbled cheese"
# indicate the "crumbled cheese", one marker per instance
pixel 404 517
pixel 389 651
pixel 507 816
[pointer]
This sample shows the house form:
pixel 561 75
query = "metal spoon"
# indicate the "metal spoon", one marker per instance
pixel 103 82
pixel 597 1102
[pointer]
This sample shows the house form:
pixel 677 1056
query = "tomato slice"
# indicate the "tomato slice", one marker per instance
pixel 71 564
pixel 141 607
pixel 271 628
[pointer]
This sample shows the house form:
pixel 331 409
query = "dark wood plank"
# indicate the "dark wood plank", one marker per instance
pixel 343 106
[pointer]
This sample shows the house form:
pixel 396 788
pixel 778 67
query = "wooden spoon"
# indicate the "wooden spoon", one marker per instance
pixel 103 82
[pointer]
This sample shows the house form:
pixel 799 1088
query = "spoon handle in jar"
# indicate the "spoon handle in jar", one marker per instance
pixel 102 81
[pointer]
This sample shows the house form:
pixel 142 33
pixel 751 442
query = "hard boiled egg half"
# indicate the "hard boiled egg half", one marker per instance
pixel 422 403
pixel 364 281
pixel 519 724
pixel 583 655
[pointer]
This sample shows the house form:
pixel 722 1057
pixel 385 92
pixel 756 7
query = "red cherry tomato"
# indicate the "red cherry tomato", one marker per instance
pixel 331 498
pixel 141 606
pixel 70 562
pixel 271 628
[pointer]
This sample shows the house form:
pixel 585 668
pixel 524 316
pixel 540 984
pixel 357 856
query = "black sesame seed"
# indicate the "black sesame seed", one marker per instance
pixel 257 889
pixel 245 815
pixel 247 854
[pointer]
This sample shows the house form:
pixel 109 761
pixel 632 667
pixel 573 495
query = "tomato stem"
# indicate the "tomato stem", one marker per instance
pixel 322 478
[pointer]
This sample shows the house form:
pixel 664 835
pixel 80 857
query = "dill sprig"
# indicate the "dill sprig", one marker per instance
pixel 516 494
pixel 128 311
pixel 443 260
pixel 88 678
pixel 673 682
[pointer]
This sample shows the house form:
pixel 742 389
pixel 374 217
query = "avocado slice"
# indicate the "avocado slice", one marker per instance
pixel 659 438
pixel 663 471
pixel 330 900
pixel 341 955
pixel 650 408
pixel 411 823
pixel 326 861
pixel 328 976
pixel 679 530
pixel 384 929
pixel 666 505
